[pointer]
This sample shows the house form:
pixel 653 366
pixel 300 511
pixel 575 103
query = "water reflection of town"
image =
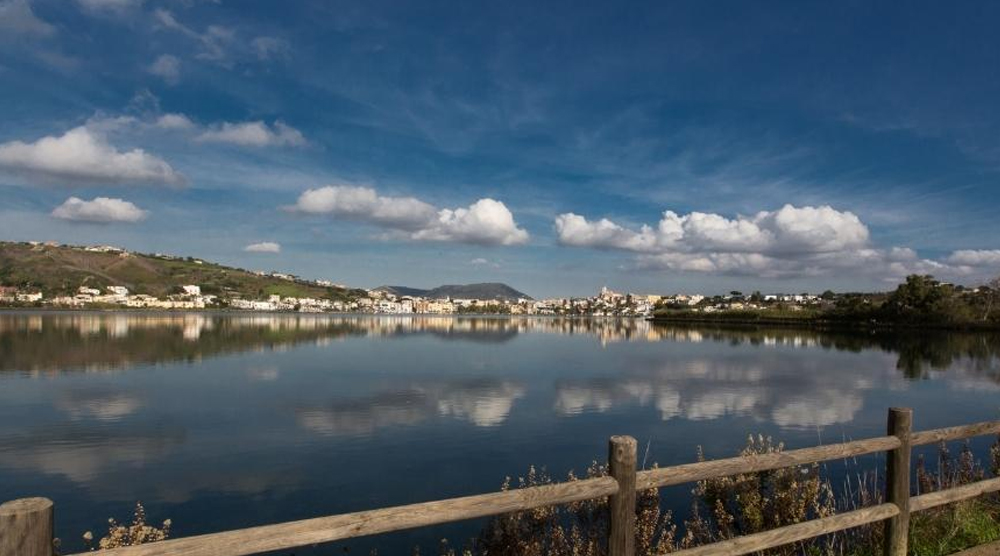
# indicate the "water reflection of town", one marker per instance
pixel 104 341
pixel 779 376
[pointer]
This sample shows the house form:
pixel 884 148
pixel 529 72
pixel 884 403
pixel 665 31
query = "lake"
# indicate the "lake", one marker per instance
pixel 222 421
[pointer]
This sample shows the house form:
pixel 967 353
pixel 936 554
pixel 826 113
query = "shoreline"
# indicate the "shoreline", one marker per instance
pixel 826 324
pixel 227 311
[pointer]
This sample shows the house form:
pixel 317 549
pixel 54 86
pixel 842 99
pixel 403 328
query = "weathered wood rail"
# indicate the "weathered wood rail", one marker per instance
pixel 26 526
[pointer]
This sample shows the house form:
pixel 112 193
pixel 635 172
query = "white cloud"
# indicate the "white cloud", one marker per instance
pixel 102 210
pixel 84 155
pixel 254 134
pixel 18 19
pixel 485 222
pixel 790 241
pixel 263 247
pixel 174 121
pixel 167 67
pixel 364 204
pixel 787 230
pixel 976 257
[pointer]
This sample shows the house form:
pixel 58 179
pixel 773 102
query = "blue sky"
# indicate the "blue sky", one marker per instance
pixel 653 147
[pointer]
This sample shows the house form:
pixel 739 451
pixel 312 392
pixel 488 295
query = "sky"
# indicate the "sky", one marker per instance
pixel 652 147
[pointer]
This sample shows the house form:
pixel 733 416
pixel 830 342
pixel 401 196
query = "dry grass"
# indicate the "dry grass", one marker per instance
pixel 133 534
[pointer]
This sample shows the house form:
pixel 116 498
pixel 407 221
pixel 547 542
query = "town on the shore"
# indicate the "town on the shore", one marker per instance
pixel 382 301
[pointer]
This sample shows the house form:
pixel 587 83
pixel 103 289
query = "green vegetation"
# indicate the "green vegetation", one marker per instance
pixel 60 270
pixel 967 524
pixel 745 504
pixel 920 301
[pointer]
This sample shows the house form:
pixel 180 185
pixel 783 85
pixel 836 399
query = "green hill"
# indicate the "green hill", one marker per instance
pixel 60 270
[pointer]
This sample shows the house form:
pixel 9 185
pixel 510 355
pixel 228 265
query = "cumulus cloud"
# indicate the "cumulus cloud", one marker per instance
pixel 976 257
pixel 787 230
pixel 485 222
pixel 263 247
pixel 167 67
pixel 18 19
pixel 254 134
pixel 84 155
pixel 790 241
pixel 102 210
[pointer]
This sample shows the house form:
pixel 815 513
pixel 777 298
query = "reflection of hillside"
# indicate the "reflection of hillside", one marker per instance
pixel 46 342
pixel 919 352
pixel 52 342
pixel 97 342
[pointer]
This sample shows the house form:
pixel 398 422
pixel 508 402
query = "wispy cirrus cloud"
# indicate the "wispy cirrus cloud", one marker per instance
pixel 116 6
pixel 18 19
pixel 485 222
pixel 167 67
pixel 213 43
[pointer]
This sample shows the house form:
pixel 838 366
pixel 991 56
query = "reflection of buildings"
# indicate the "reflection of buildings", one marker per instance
pixel 104 341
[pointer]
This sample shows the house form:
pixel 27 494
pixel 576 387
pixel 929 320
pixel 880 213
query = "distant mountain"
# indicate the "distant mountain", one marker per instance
pixel 489 290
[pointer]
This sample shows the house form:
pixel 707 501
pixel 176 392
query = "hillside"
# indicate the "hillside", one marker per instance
pixel 60 270
pixel 488 290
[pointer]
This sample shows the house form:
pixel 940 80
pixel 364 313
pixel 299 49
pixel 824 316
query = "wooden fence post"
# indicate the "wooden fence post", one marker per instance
pixel 897 482
pixel 26 527
pixel 621 506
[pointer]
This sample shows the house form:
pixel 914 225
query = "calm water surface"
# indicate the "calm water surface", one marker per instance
pixel 226 421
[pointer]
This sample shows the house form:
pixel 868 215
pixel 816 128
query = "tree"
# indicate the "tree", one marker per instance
pixel 922 298
pixel 991 291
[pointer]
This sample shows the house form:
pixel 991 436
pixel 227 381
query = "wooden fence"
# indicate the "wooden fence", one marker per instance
pixel 26 526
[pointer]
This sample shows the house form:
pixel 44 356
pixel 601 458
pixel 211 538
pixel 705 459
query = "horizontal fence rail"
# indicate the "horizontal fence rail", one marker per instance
pixel 794 533
pixel 955 433
pixel 942 497
pixel 26 525
pixel 347 526
pixel 700 471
